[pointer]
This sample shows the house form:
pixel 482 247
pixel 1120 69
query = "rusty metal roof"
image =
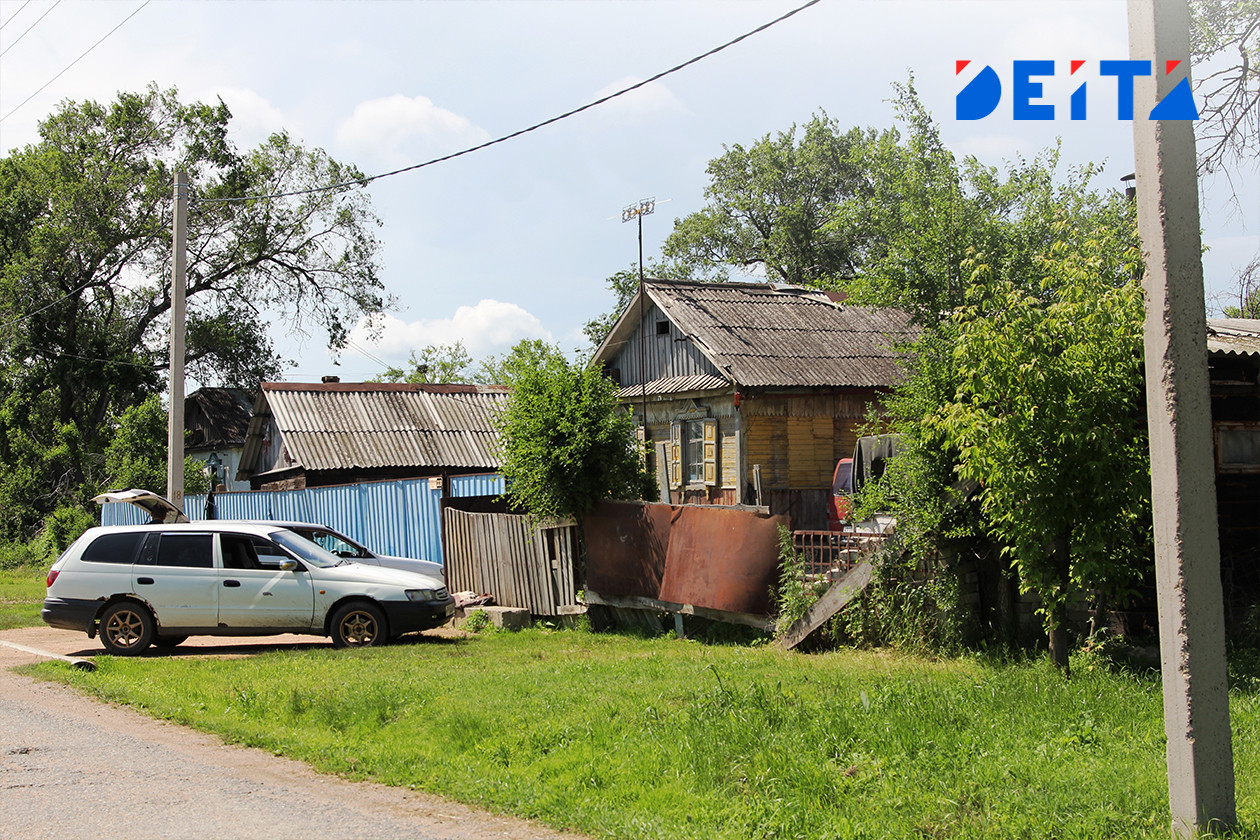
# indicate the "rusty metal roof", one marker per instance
pixel 1238 336
pixel 764 335
pixel 338 426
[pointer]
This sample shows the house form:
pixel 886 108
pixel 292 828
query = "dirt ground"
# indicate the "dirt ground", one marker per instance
pixel 74 761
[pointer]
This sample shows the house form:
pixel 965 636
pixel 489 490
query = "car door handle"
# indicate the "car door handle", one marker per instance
pixel 231 583
pixel 144 580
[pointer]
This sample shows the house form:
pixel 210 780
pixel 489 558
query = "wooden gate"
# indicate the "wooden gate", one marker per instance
pixel 519 563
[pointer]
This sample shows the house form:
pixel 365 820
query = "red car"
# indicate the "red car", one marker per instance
pixel 840 503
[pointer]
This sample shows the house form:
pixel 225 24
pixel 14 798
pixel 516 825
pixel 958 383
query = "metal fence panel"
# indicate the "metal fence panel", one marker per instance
pixel 390 517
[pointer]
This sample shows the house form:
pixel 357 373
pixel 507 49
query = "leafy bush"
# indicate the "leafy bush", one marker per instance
pixel 476 621
pixel 65 525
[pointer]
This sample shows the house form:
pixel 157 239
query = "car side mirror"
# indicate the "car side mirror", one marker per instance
pixel 288 565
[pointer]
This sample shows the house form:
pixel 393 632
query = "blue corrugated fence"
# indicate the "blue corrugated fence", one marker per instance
pixel 390 517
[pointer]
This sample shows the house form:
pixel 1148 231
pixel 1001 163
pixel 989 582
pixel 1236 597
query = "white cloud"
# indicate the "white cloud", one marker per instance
pixel 254 118
pixel 397 128
pixel 648 100
pixel 491 326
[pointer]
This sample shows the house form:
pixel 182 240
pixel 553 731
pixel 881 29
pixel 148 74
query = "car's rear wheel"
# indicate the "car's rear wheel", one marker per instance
pixel 169 641
pixel 359 624
pixel 126 628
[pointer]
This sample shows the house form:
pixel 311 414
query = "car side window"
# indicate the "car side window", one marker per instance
pixel 238 551
pixel 113 548
pixel 185 550
pixel 270 555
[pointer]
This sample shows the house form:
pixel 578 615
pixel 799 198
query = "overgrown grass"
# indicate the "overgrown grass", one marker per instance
pixel 21 596
pixel 636 738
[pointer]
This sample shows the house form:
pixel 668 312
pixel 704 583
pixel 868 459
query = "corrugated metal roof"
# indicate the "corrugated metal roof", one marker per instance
pixel 786 336
pixel 337 426
pixel 1239 336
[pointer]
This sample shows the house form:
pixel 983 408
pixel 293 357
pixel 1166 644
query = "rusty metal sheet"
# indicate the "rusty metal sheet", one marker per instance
pixel 722 559
pixel 625 548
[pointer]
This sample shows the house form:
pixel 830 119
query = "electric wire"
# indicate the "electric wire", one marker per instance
pixel 15 14
pixel 76 61
pixel 363 182
pixel 29 28
pixel 68 295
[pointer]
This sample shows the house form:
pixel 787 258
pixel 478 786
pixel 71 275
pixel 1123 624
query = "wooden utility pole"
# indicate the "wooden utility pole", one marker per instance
pixel 179 282
pixel 1178 408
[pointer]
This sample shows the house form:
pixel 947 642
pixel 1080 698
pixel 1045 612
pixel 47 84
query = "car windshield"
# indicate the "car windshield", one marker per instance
pixel 333 542
pixel 307 550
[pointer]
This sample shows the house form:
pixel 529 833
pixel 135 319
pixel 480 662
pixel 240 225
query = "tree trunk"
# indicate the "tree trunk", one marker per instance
pixel 1056 619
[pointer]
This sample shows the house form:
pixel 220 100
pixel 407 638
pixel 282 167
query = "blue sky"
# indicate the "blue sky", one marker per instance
pixel 516 241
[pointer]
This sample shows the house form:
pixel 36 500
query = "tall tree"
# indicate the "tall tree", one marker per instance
pixel 773 207
pixel 437 363
pixel 1225 36
pixel 85 296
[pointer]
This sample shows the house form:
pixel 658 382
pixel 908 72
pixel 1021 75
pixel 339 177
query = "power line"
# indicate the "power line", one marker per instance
pixel 21 318
pixel 29 28
pixel 15 14
pixel 76 61
pixel 363 182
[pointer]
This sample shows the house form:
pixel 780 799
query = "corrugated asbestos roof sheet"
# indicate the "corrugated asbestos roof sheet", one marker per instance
pixel 363 425
pixel 1240 336
pixel 675 385
pixel 787 336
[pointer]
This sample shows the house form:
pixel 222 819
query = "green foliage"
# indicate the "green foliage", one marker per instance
pixel 65 525
pixel 437 363
pixel 566 443
pixel 85 243
pixel 476 622
pixel 1248 292
pixel 795 594
pixel 525 356
pixel 136 456
pixel 785 206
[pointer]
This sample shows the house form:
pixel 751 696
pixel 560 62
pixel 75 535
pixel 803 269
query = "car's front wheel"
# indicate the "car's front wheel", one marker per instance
pixel 359 624
pixel 126 629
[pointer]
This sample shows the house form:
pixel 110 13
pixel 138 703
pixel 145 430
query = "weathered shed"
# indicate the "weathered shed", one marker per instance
pixel 1234 373
pixel 752 389
pixel 318 434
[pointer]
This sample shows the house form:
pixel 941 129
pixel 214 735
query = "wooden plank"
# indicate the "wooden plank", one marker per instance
pixel 637 602
pixel 832 601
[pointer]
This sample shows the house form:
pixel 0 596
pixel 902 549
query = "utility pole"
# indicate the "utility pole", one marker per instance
pixel 179 281
pixel 646 207
pixel 1178 409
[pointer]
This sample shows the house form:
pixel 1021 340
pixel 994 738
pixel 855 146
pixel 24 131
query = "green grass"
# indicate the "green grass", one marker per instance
pixel 634 738
pixel 21 596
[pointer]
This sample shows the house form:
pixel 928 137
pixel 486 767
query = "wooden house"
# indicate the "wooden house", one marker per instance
pixel 332 432
pixel 751 392
pixel 215 423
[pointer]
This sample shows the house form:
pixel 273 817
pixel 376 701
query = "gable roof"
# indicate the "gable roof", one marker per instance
pixel 370 425
pixel 217 417
pixel 756 334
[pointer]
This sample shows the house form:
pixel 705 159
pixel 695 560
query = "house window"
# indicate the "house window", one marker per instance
pixel 695 451
pixel 662 327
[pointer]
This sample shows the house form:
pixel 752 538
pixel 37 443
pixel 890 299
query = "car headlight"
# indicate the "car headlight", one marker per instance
pixel 421 595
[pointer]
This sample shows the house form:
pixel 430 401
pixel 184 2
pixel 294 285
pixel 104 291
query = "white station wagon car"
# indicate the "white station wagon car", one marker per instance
pixel 138 585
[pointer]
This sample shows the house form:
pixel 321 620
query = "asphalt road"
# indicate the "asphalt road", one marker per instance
pixel 70 765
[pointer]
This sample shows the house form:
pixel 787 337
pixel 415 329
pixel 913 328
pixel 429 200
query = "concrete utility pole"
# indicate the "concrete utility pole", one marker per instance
pixel 179 282
pixel 1178 407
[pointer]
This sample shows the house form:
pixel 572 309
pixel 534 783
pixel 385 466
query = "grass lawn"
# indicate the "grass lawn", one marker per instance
pixel 21 596
pixel 632 738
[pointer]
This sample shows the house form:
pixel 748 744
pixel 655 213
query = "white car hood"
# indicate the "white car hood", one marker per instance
pixel 363 573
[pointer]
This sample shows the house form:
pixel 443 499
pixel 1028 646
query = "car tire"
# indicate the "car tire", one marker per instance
pixel 169 641
pixel 127 628
pixel 359 624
